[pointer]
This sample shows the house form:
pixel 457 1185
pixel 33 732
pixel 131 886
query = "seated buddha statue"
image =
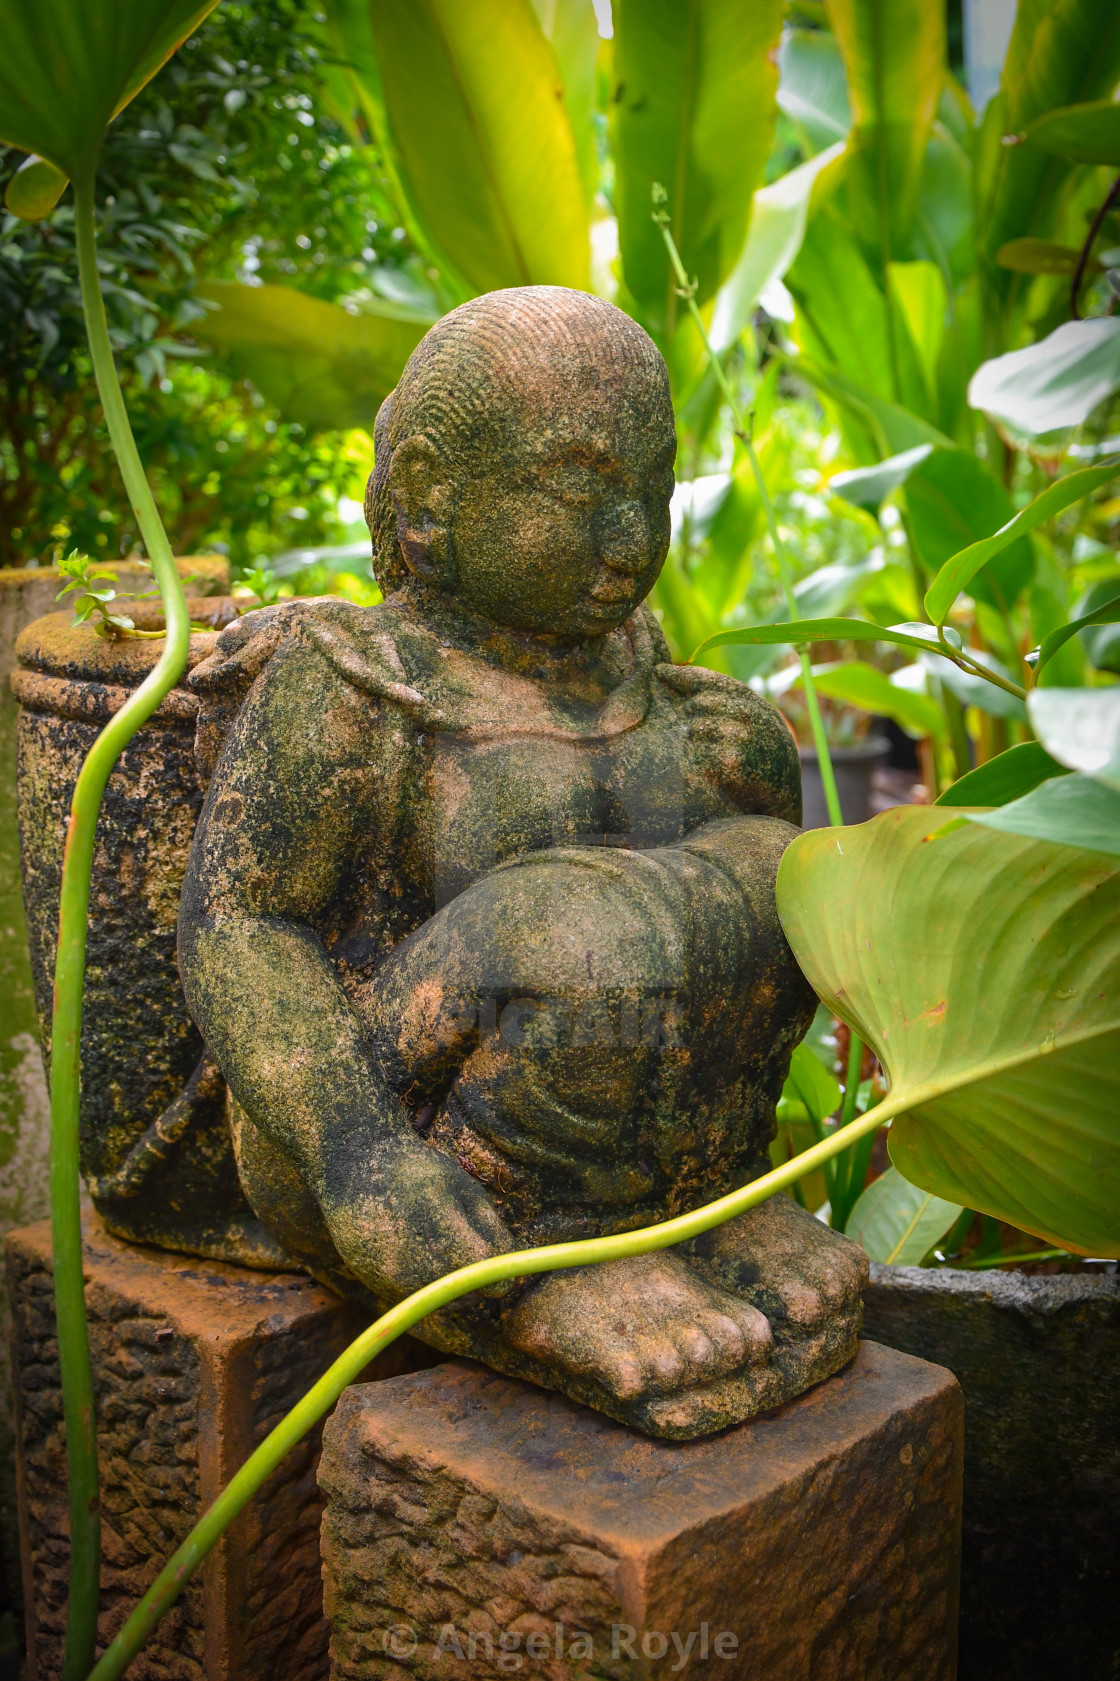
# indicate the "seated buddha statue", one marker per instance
pixel 479 922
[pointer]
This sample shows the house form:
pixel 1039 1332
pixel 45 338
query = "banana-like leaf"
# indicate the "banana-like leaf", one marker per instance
pixel 893 429
pixel 984 970
pixel 481 136
pixel 1007 777
pixel 1062 52
pixel 571 29
pixel 959 572
pixel 778 218
pixel 896 1222
pixel 1081 729
pixel 812 89
pixel 894 55
pixel 1080 133
pixel 1055 384
pixel 1076 811
pixel 67 69
pixel 693 109
pixel 319 364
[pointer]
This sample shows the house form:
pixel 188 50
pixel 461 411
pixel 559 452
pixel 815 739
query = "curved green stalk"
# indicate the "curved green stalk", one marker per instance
pixel 66 1024
pixel 350 1364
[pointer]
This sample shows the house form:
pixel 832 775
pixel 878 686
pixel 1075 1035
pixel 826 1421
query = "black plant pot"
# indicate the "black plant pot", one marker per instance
pixel 1038 1360
pixel 853 768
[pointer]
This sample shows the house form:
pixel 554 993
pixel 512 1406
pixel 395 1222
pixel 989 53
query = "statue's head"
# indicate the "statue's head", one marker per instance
pixel 525 463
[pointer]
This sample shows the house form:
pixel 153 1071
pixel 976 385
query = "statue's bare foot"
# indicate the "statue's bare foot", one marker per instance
pixel 806 1279
pixel 646 1327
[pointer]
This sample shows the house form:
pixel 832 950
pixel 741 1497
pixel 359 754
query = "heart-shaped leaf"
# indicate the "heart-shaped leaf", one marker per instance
pixel 67 69
pixel 984 970
pixel 897 1222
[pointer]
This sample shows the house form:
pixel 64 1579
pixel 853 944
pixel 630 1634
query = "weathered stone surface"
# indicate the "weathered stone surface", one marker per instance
pixel 1037 1360
pixel 823 1537
pixel 26 593
pixel 194 1362
pixel 479 922
pixel 155 1145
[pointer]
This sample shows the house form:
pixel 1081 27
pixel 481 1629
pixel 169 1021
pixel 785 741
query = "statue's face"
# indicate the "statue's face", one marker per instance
pixel 566 531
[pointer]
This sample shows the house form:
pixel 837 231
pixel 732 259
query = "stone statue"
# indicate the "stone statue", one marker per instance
pixel 479 920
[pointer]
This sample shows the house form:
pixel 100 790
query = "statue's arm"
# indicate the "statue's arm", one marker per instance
pixel 738 741
pixel 292 800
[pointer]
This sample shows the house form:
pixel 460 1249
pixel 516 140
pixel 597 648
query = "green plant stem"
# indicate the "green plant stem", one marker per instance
pixel 66 1024
pixel 349 1365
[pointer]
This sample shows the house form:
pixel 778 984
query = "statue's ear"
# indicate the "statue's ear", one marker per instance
pixel 419 484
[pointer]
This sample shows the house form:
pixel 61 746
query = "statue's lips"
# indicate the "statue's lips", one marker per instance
pixel 613 590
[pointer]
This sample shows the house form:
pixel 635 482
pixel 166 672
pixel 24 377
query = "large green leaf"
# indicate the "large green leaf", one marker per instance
pixel 571 29
pixel 320 364
pixel 1081 133
pixel 482 138
pixel 1075 811
pixel 778 218
pixel 1081 729
pixel 66 69
pixel 693 109
pixel 984 970
pixel 959 572
pixel 1005 778
pixel 896 1222
pixel 953 501
pixel 1055 384
pixel 1062 52
pixel 891 429
pixel 845 321
pixel 813 90
pixel 894 55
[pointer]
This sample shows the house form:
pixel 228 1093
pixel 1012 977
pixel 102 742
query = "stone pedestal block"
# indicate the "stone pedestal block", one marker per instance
pixel 1037 1360
pixel 194 1362
pixel 477 1527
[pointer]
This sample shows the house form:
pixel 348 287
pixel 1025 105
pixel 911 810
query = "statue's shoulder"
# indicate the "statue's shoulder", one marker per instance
pixel 360 644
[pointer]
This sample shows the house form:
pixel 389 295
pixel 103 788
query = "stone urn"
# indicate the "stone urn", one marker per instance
pixel 155 1148
pixel 1036 1358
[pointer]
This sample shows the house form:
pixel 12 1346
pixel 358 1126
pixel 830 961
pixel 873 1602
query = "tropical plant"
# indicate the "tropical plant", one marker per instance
pixel 904 925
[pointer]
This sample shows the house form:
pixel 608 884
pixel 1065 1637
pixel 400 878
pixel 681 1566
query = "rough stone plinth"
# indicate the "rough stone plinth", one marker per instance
pixel 820 1540
pixel 1037 1360
pixel 194 1362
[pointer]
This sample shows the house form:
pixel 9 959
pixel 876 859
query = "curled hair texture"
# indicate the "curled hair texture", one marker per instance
pixel 468 383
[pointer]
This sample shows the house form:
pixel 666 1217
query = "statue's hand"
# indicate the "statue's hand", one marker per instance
pixel 644 1327
pixel 401 1219
pixel 738 740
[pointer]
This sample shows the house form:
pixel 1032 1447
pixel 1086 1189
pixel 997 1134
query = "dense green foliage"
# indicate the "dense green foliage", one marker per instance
pixel 226 164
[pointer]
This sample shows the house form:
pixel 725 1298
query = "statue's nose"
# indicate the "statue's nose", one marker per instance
pixel 624 537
